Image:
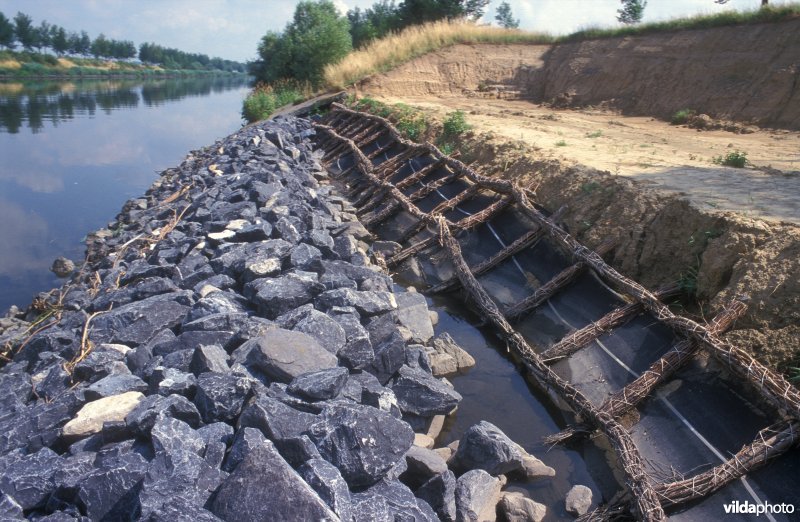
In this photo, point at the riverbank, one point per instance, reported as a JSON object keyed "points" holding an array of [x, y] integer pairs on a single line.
{"points": [[34, 66], [233, 333]]}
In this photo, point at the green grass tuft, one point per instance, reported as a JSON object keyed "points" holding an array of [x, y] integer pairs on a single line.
{"points": [[736, 159]]}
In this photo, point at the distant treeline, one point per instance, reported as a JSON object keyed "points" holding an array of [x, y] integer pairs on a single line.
{"points": [[21, 31], [49, 102]]}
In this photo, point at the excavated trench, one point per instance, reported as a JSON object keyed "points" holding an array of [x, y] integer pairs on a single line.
{"points": [[650, 409]]}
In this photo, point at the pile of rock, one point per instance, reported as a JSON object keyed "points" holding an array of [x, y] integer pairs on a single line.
{"points": [[231, 352]]}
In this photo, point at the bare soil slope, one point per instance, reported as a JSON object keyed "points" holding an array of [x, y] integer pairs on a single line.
{"points": [[625, 174], [744, 73]]}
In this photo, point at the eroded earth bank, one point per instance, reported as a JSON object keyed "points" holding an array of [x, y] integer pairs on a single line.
{"points": [[583, 125]]}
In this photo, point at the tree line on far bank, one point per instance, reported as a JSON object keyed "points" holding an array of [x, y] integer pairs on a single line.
{"points": [[22, 31]]}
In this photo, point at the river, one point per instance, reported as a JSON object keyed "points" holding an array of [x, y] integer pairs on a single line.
{"points": [[73, 152]]}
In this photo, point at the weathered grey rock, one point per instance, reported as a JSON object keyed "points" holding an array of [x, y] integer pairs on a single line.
{"points": [[357, 353], [422, 394], [258, 232], [319, 386], [440, 493], [172, 435], [216, 437], [217, 302], [91, 417], [477, 495], [10, 508], [579, 500], [277, 421], [142, 418], [29, 480], [138, 322], [484, 446], [367, 303], [101, 362], [412, 312], [305, 256], [181, 478], [114, 385], [211, 358], [168, 381], [220, 397], [364, 443], [374, 394], [326, 480], [265, 487], [245, 441], [423, 464], [283, 354], [277, 296], [328, 333], [110, 491], [62, 267], [400, 501], [516, 507]]}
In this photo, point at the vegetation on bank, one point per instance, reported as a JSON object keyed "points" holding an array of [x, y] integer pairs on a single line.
{"points": [[399, 45], [71, 52], [399, 48], [766, 14]]}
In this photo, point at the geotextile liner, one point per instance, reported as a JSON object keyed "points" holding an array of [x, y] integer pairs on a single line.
{"points": [[687, 415]]}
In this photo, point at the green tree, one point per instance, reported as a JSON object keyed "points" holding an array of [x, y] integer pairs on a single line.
{"points": [[275, 58], [413, 12], [84, 44], [42, 36], [59, 41], [24, 31], [374, 22], [631, 11], [101, 46], [318, 36], [504, 16], [6, 32]]}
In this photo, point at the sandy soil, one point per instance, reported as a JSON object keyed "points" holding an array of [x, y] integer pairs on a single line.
{"points": [[673, 159]]}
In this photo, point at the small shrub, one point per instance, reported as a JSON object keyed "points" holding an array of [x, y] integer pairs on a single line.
{"points": [[736, 159], [595, 134], [561, 143], [681, 116], [454, 125], [447, 148], [266, 99]]}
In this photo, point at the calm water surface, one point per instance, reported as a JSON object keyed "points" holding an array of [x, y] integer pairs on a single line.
{"points": [[71, 153]]}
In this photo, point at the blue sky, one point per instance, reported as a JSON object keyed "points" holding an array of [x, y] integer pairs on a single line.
{"points": [[232, 28]]}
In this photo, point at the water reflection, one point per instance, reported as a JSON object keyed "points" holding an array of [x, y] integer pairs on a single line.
{"points": [[54, 102], [74, 152]]}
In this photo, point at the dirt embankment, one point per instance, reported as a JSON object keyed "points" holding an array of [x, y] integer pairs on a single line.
{"points": [[724, 232], [744, 73], [663, 239]]}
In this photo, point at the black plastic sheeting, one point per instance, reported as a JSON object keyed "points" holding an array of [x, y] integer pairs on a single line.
{"points": [[693, 422]]}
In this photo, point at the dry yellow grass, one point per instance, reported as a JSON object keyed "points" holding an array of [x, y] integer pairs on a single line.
{"points": [[65, 63], [10, 64], [396, 49]]}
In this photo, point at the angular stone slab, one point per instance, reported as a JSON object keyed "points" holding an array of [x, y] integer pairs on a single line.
{"points": [[91, 417]]}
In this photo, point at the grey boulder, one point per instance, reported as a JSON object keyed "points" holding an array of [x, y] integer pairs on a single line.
{"points": [[265, 487]]}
